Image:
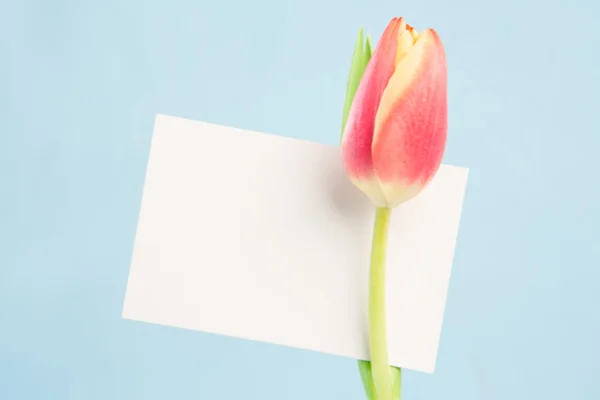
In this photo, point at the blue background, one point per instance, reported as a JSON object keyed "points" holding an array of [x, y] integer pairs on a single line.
{"points": [[81, 82]]}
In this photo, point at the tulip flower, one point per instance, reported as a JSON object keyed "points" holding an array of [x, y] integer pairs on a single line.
{"points": [[395, 134], [393, 139]]}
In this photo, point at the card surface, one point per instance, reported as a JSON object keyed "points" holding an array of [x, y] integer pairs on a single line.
{"points": [[263, 237]]}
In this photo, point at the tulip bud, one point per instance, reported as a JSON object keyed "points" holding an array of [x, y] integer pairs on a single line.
{"points": [[395, 135]]}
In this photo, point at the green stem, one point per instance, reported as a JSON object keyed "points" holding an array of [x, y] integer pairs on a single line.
{"points": [[382, 377]]}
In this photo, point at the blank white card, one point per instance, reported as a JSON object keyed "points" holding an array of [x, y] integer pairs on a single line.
{"points": [[263, 237]]}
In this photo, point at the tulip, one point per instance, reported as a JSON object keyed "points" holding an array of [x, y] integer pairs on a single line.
{"points": [[395, 135], [393, 140]]}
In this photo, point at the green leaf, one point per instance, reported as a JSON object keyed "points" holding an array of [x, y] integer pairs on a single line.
{"points": [[364, 368], [368, 51], [360, 59]]}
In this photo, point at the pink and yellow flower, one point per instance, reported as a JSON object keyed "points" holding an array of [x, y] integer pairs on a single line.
{"points": [[395, 135]]}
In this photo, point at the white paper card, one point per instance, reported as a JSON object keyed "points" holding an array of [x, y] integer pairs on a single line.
{"points": [[263, 237]]}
